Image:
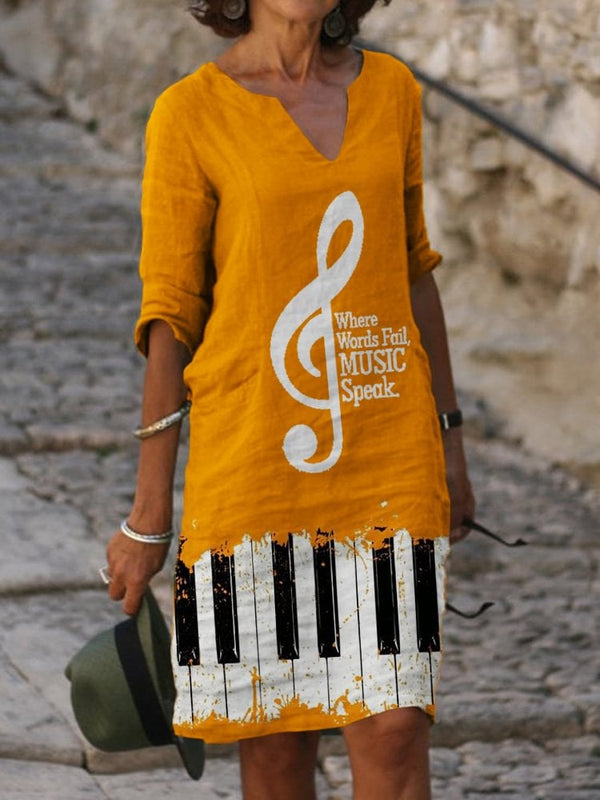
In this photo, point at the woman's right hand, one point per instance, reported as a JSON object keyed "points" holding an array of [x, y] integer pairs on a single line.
{"points": [[131, 565]]}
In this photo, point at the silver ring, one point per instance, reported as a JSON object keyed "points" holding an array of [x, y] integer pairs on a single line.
{"points": [[105, 575]]}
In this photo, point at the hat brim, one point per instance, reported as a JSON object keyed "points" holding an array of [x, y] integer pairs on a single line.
{"points": [[192, 755], [156, 641], [122, 688]]}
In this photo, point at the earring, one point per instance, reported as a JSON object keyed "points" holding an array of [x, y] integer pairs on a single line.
{"points": [[233, 9], [335, 23]]}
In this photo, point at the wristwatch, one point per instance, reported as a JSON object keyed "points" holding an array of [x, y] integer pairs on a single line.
{"points": [[451, 419]]}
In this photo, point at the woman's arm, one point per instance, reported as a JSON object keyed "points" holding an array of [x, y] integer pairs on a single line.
{"points": [[429, 316], [131, 564]]}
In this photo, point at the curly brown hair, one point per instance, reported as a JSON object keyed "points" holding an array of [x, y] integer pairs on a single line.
{"points": [[208, 12]]}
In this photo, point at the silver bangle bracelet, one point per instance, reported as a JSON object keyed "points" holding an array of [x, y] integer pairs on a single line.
{"points": [[148, 538], [164, 422]]}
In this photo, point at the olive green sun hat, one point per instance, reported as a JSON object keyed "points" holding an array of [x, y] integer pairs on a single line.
{"points": [[122, 688]]}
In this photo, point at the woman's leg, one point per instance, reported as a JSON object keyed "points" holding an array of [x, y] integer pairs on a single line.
{"points": [[389, 755], [280, 766]]}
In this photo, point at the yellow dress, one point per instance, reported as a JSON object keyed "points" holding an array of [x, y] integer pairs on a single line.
{"points": [[309, 584]]}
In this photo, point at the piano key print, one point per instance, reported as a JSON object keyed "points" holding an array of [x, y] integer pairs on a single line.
{"points": [[322, 629]]}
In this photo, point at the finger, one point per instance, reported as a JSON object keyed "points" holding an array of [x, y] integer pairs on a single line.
{"points": [[458, 534], [116, 590], [116, 587], [457, 517], [133, 599]]}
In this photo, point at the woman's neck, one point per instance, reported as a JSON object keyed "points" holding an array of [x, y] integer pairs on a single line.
{"points": [[275, 47]]}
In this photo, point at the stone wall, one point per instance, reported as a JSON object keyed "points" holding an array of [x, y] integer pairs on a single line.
{"points": [[521, 238], [106, 59]]}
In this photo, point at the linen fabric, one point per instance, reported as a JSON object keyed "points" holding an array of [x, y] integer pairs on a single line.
{"points": [[287, 275]]}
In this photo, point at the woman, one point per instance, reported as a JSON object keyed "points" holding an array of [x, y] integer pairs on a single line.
{"points": [[288, 292]]}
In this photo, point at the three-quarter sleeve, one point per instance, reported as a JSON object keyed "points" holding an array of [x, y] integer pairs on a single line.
{"points": [[178, 207], [421, 257]]}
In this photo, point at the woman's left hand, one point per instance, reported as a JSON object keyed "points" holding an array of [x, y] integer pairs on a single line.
{"points": [[462, 501]]}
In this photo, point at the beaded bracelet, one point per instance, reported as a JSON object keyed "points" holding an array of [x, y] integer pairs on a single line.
{"points": [[146, 538], [164, 422]]}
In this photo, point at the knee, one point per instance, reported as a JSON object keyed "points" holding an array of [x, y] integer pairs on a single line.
{"points": [[280, 752], [392, 735]]}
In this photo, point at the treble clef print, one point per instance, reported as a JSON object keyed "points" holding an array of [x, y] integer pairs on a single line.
{"points": [[309, 314]]}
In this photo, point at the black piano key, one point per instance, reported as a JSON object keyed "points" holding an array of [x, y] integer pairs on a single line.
{"points": [[386, 599], [328, 624], [428, 620], [286, 610], [186, 616], [225, 607]]}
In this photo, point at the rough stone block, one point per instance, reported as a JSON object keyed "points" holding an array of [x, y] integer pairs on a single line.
{"points": [[99, 763], [29, 44], [31, 727], [39, 635], [579, 141], [445, 763], [439, 60], [486, 155], [500, 85], [504, 716], [29, 563], [11, 479], [496, 45], [535, 774], [337, 771], [589, 704], [12, 439], [220, 780], [24, 780]]}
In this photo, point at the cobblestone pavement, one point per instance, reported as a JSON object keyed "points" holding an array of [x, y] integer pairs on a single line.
{"points": [[520, 701]]}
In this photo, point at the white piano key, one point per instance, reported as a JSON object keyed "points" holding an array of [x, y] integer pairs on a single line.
{"points": [[414, 673], [442, 550], [379, 672], [242, 679], [406, 592], [182, 712], [261, 676], [345, 675], [207, 678], [310, 670], [277, 684]]}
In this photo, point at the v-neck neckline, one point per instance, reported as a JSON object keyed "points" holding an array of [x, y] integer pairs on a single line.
{"points": [[270, 98]]}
